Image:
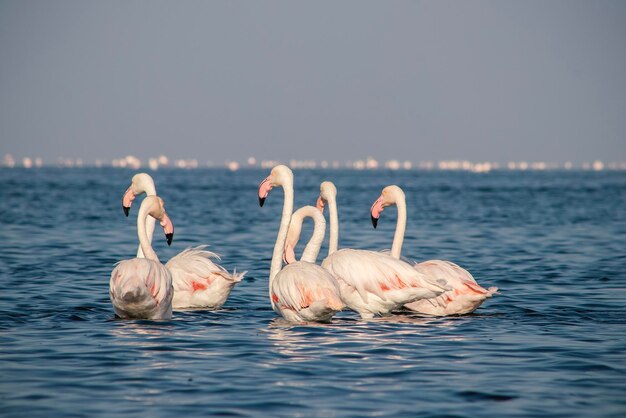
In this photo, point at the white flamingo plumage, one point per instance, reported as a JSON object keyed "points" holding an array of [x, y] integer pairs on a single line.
{"points": [[372, 283], [198, 281], [142, 287], [301, 291], [466, 294], [312, 248]]}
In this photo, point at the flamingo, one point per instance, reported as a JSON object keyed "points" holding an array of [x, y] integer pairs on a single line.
{"points": [[301, 291], [198, 281], [465, 296], [372, 283], [142, 287]]}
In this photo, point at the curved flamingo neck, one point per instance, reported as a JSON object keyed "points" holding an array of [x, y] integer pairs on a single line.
{"points": [[312, 248], [150, 190], [144, 241], [333, 240], [398, 237], [279, 246]]}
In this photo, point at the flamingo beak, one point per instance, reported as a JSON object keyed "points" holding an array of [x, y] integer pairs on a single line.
{"points": [[127, 200], [168, 228], [320, 204], [264, 189], [377, 208], [289, 256]]}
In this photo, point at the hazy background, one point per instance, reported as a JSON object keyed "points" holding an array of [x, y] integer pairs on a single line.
{"points": [[216, 80]]}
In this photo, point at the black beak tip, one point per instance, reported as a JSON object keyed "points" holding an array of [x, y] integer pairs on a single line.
{"points": [[169, 238], [374, 221], [261, 201], [126, 210]]}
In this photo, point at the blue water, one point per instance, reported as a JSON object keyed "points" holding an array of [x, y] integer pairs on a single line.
{"points": [[553, 343]]}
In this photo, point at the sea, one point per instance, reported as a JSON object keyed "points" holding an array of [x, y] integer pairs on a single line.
{"points": [[552, 343]]}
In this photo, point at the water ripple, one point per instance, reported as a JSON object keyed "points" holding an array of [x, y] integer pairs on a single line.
{"points": [[551, 344]]}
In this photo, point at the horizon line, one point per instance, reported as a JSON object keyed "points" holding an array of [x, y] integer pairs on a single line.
{"points": [[369, 163]]}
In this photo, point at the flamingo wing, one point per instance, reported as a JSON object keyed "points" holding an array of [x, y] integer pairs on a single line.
{"points": [[193, 268], [141, 288], [198, 281], [465, 296], [370, 272], [454, 274], [303, 285], [460, 279]]}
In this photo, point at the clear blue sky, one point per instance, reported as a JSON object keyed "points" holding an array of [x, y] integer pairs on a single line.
{"points": [[216, 80]]}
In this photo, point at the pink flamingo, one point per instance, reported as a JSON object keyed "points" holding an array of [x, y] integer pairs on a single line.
{"points": [[142, 287], [465, 296], [372, 283], [198, 281], [301, 291]]}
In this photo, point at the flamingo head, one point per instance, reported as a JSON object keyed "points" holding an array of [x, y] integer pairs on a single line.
{"points": [[157, 211], [328, 191], [289, 255], [293, 233], [320, 204], [168, 228], [280, 175], [141, 183], [389, 196]]}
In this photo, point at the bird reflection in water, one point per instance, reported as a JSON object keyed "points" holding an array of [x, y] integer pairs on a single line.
{"points": [[353, 339], [142, 332]]}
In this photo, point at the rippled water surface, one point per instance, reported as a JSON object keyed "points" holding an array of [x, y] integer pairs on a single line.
{"points": [[553, 343]]}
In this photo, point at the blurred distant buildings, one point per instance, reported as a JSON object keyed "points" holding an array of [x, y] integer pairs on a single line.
{"points": [[369, 163]]}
